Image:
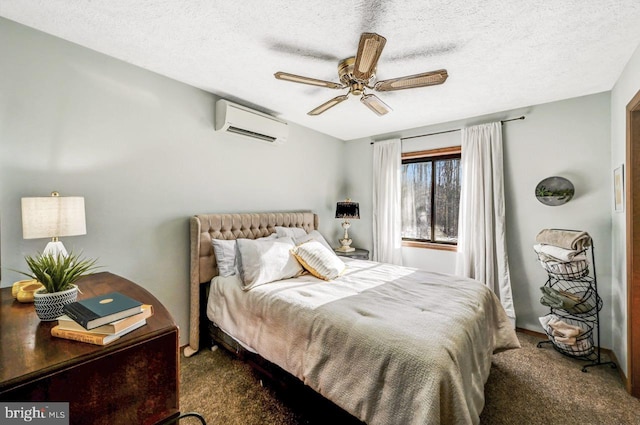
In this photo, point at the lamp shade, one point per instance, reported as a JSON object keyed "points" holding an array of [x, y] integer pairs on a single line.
{"points": [[348, 210], [53, 216]]}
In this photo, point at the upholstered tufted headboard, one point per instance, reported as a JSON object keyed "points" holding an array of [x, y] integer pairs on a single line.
{"points": [[204, 227]]}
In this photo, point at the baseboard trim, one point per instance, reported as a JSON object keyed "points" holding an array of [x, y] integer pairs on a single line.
{"points": [[614, 359], [532, 333]]}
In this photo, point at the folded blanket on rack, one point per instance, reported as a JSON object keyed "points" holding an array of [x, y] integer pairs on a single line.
{"points": [[567, 239], [565, 300], [554, 253], [573, 344], [562, 269], [565, 340], [564, 330]]}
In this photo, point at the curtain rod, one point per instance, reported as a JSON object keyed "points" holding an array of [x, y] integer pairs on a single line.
{"points": [[451, 131]]}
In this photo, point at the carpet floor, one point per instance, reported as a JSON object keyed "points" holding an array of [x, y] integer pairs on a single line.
{"points": [[526, 386]]}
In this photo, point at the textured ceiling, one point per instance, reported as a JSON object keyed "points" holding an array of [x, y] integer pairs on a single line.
{"points": [[500, 55]]}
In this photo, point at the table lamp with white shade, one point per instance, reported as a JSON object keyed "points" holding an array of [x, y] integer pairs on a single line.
{"points": [[347, 210], [53, 217]]}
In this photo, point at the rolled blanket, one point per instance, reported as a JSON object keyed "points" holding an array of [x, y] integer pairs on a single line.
{"points": [[565, 340], [565, 300], [550, 300], [570, 343], [558, 254], [567, 239], [564, 330], [563, 269]]}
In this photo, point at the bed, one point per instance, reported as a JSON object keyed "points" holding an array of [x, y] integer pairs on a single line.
{"points": [[388, 344]]}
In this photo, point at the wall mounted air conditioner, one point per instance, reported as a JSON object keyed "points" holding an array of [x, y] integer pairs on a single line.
{"points": [[242, 121]]}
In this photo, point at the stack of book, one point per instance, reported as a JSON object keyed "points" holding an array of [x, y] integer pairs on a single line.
{"points": [[101, 320]]}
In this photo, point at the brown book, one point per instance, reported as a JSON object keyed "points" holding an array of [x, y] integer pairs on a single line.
{"points": [[92, 337], [67, 323]]}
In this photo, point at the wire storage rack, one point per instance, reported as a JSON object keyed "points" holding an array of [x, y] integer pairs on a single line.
{"points": [[571, 293]]}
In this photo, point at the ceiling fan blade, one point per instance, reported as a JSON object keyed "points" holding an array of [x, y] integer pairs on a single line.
{"points": [[369, 50], [330, 104], [431, 78], [374, 103], [306, 80]]}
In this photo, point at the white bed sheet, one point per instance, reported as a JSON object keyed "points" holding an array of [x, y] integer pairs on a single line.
{"points": [[388, 344]]}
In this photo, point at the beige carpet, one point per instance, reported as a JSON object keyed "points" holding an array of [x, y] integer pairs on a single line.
{"points": [[528, 386]]}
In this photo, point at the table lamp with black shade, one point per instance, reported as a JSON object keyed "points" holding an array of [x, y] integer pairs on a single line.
{"points": [[347, 210]]}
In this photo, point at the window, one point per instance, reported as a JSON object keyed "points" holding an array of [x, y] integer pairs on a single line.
{"points": [[431, 198]]}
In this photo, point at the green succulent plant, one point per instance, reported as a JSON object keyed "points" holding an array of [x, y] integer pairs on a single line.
{"points": [[58, 272]]}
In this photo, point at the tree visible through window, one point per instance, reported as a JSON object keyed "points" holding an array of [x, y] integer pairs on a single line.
{"points": [[431, 196]]}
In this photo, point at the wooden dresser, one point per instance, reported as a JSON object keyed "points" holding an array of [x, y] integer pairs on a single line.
{"points": [[133, 380]]}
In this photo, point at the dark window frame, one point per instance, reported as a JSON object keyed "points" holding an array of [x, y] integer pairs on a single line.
{"points": [[426, 156]]}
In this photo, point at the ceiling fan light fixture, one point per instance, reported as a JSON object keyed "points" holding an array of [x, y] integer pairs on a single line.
{"points": [[374, 103]]}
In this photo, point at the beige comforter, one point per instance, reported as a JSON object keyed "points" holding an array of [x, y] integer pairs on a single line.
{"points": [[389, 344]]}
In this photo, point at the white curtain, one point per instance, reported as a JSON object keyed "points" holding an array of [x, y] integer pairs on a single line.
{"points": [[482, 245], [387, 187]]}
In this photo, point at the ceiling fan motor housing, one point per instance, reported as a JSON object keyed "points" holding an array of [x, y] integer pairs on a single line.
{"points": [[345, 72]]}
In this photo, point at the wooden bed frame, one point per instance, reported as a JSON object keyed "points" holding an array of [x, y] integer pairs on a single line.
{"points": [[203, 228]]}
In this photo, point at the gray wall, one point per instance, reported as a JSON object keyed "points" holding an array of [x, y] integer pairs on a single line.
{"points": [[142, 150], [570, 138], [627, 86]]}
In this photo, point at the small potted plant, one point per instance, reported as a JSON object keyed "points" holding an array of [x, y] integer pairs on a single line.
{"points": [[58, 274]]}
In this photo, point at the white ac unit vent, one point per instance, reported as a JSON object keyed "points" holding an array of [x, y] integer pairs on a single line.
{"points": [[242, 121]]}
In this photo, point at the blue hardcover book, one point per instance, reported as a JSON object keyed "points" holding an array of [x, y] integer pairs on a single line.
{"points": [[103, 309]]}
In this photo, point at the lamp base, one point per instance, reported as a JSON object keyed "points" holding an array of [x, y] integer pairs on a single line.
{"points": [[346, 240], [345, 245], [55, 248], [345, 249]]}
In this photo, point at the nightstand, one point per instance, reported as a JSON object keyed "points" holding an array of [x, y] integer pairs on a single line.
{"points": [[133, 380], [360, 254]]}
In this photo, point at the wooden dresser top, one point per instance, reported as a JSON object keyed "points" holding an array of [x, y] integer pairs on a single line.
{"points": [[27, 348]]}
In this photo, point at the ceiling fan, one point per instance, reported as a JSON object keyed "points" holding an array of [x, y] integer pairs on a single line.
{"points": [[358, 73]]}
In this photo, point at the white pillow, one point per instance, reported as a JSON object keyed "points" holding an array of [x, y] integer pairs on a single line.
{"points": [[266, 260], [313, 235], [321, 262], [291, 232], [225, 253]]}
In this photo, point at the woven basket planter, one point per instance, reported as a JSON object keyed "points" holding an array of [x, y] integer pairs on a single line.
{"points": [[49, 306]]}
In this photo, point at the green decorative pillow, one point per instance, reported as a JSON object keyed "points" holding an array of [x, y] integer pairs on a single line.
{"points": [[318, 260]]}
